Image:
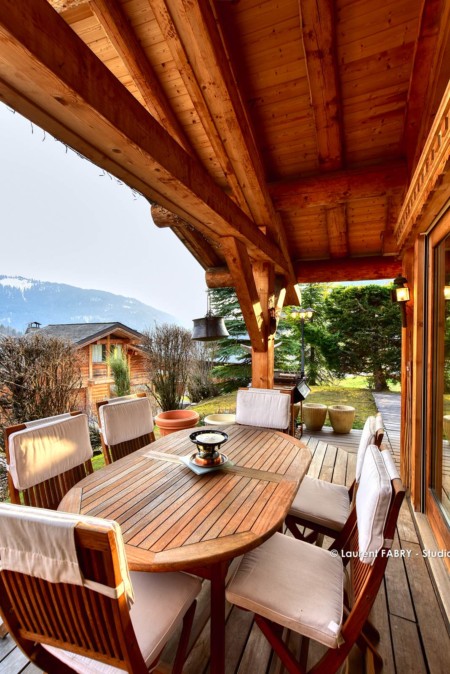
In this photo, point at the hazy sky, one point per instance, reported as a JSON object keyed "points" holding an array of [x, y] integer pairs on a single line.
{"points": [[63, 220]]}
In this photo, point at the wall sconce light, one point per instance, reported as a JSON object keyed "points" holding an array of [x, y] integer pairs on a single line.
{"points": [[400, 294], [446, 293]]}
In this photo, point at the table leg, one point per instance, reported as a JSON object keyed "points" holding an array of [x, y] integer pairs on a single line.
{"points": [[217, 637]]}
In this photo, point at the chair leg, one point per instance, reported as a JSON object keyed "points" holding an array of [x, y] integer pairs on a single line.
{"points": [[180, 656], [272, 634], [295, 531], [368, 650]]}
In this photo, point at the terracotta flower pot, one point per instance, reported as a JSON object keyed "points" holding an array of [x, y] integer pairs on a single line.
{"points": [[313, 415], [176, 420], [341, 417]]}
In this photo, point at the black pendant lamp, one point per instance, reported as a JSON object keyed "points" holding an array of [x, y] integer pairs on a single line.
{"points": [[209, 328]]}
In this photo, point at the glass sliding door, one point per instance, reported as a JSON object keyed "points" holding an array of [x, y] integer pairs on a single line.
{"points": [[438, 383]]}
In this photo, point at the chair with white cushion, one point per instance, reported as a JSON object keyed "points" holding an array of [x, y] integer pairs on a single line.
{"points": [[290, 584], [264, 408], [69, 602], [46, 458], [126, 425], [322, 507]]}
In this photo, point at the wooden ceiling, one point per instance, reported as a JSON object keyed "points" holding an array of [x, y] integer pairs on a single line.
{"points": [[261, 130]]}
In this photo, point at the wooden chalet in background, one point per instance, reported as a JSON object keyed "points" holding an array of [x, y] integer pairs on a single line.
{"points": [[95, 341], [282, 141]]}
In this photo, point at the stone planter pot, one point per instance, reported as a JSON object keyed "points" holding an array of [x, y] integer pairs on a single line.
{"points": [[341, 418], [313, 415], [176, 420], [220, 419]]}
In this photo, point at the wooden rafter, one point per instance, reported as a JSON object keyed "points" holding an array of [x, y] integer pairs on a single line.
{"points": [[65, 87], [117, 27], [319, 40], [327, 190], [244, 283], [200, 40], [429, 52], [200, 247]]}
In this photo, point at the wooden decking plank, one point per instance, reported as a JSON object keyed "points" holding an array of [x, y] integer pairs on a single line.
{"points": [[316, 464], [407, 649], [239, 626], [340, 467], [405, 526], [400, 603], [380, 618], [257, 650], [431, 624], [329, 459], [15, 662]]}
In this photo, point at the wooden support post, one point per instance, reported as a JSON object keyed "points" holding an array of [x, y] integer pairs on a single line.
{"points": [[263, 362]]}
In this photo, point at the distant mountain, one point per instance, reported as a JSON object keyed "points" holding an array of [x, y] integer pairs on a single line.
{"points": [[24, 300]]}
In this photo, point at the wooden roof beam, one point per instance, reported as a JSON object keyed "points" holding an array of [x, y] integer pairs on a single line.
{"points": [[198, 244], [66, 89], [434, 33], [322, 271], [243, 281], [319, 41], [327, 190], [117, 27], [200, 40]]}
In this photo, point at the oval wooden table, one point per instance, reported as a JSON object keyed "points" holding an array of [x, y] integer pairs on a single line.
{"points": [[173, 519]]}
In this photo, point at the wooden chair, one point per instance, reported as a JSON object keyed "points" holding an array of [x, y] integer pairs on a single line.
{"points": [[126, 425], [291, 584], [323, 508], [46, 458], [67, 620], [264, 408]]}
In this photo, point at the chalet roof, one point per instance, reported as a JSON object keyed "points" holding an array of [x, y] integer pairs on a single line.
{"points": [[85, 333], [271, 137]]}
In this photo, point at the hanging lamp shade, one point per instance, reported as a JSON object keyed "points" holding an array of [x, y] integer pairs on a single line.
{"points": [[209, 328]]}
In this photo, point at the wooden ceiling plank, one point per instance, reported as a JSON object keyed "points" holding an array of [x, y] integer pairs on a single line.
{"points": [[74, 94], [117, 27], [319, 40], [201, 42], [327, 190], [241, 272], [433, 36], [336, 218]]}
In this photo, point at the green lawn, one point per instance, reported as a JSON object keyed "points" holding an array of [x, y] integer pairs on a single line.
{"points": [[351, 391]]}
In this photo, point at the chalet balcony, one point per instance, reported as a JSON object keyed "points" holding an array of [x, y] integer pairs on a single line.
{"points": [[408, 612]]}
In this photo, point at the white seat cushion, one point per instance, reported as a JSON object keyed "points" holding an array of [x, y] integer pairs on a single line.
{"points": [[321, 503], [124, 420], [294, 584], [263, 409], [161, 600]]}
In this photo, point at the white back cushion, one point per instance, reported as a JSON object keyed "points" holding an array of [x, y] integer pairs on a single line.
{"points": [[41, 543], [372, 504], [367, 438], [263, 409], [123, 420], [390, 464], [41, 452]]}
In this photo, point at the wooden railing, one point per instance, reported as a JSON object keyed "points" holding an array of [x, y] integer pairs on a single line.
{"points": [[431, 166]]}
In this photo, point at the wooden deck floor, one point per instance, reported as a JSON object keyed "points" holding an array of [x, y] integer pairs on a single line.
{"points": [[414, 637]]}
